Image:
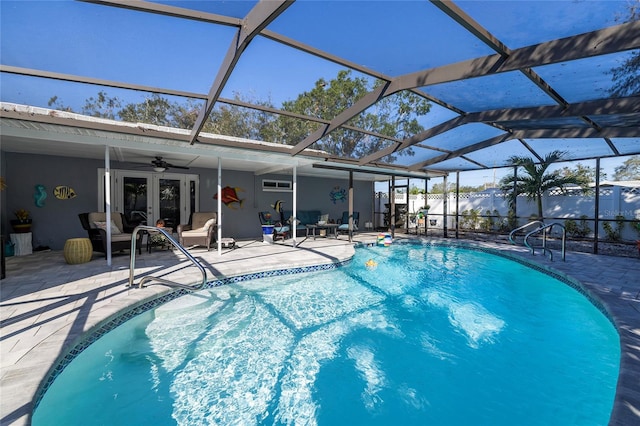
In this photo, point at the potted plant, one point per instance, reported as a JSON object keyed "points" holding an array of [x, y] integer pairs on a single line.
{"points": [[23, 222], [423, 211]]}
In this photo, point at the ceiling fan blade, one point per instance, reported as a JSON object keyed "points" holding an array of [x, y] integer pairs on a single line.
{"points": [[161, 164]]}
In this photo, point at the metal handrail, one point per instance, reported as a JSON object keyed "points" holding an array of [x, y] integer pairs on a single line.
{"points": [[162, 280], [535, 222], [545, 229]]}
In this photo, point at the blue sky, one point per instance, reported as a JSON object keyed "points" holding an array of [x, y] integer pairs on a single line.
{"points": [[122, 45]]}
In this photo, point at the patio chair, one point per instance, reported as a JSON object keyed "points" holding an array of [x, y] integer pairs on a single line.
{"points": [[200, 231], [95, 225], [279, 229], [344, 222]]}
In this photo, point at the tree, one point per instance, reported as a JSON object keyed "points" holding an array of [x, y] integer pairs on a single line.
{"points": [[629, 170], [438, 188], [393, 116], [586, 173], [102, 106], [537, 179], [241, 121], [626, 77], [155, 109], [414, 190]]}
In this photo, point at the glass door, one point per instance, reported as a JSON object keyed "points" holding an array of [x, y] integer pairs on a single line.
{"points": [[136, 199], [168, 200], [145, 197]]}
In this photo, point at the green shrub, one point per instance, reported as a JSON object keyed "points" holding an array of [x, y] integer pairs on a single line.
{"points": [[470, 219], [614, 234], [487, 222], [577, 230]]}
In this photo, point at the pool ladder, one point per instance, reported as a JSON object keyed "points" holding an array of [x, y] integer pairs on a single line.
{"points": [[177, 245], [545, 230]]}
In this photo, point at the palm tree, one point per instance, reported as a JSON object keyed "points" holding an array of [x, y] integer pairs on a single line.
{"points": [[537, 180]]}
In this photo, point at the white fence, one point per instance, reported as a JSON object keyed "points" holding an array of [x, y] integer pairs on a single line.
{"points": [[614, 201]]}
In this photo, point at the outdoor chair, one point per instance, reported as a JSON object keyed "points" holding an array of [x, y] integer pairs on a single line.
{"points": [[200, 231], [95, 223], [344, 222], [279, 229]]}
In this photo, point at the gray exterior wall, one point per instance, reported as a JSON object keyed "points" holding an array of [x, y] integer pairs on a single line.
{"points": [[57, 220]]}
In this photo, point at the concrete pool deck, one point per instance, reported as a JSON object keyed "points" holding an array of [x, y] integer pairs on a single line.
{"points": [[46, 305]]}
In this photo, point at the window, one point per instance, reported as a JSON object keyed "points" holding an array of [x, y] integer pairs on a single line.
{"points": [[277, 185]]}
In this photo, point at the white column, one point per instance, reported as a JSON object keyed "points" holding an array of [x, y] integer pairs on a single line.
{"points": [[107, 196], [294, 224], [219, 206]]}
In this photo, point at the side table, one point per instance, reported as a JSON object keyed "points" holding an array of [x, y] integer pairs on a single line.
{"points": [[22, 243], [77, 250]]}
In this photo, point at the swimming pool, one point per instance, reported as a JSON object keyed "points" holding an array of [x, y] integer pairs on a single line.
{"points": [[431, 335]]}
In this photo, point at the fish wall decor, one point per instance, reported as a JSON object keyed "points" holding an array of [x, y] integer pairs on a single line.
{"points": [[64, 192], [230, 197]]}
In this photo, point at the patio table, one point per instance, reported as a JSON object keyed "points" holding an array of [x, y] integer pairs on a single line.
{"points": [[329, 227]]}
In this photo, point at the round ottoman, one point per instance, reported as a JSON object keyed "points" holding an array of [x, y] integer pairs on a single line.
{"points": [[78, 250]]}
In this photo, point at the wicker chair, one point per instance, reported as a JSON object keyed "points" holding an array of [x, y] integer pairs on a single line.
{"points": [[200, 231], [120, 235]]}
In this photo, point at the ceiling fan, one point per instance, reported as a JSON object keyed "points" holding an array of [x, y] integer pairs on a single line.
{"points": [[159, 165]]}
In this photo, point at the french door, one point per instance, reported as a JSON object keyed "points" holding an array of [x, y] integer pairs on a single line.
{"points": [[145, 197]]}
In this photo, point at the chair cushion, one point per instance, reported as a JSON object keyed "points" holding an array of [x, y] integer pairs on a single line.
{"points": [[199, 220], [116, 217], [195, 233], [103, 226], [120, 237], [208, 224], [345, 227]]}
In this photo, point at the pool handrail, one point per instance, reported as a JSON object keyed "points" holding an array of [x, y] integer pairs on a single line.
{"points": [[177, 245], [520, 228], [545, 229]]}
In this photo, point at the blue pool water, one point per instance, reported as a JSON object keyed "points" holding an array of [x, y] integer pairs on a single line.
{"points": [[431, 336]]}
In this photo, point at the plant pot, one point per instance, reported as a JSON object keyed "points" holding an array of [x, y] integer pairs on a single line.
{"points": [[21, 226]]}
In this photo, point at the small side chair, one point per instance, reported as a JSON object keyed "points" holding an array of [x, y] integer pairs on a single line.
{"points": [[344, 222]]}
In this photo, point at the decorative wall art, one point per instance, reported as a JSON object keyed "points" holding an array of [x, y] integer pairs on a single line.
{"points": [[230, 197], [338, 194], [277, 206], [39, 195], [64, 192]]}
